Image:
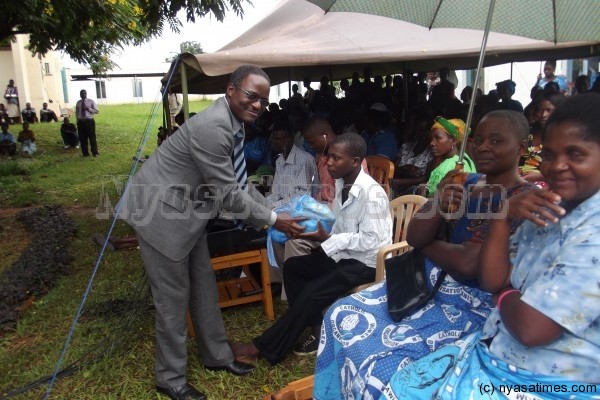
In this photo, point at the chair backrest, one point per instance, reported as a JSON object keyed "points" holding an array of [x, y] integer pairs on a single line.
{"points": [[403, 208], [382, 170]]}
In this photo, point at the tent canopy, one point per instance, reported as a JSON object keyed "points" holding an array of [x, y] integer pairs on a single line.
{"points": [[297, 40]]}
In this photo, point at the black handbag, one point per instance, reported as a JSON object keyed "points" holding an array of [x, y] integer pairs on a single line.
{"points": [[406, 281]]}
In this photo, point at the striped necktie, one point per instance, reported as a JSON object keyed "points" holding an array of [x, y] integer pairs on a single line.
{"points": [[239, 162], [239, 167]]}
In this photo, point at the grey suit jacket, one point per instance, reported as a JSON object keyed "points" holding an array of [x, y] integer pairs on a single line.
{"points": [[187, 181]]}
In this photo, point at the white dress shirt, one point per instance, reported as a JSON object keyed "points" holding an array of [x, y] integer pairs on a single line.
{"points": [[92, 109], [363, 223]]}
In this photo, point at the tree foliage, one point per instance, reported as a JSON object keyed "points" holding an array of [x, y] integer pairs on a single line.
{"points": [[91, 30], [191, 47]]}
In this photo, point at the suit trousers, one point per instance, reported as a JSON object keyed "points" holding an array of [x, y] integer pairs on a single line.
{"points": [[177, 286], [312, 283], [87, 132]]}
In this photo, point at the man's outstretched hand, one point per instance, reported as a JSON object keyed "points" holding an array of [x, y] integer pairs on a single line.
{"points": [[288, 225]]}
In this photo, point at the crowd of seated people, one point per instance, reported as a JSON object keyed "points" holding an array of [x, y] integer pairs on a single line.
{"points": [[367, 354], [369, 357], [379, 110], [503, 139], [543, 280]]}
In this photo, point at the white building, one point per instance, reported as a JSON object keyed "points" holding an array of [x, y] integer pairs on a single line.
{"points": [[118, 86], [38, 79]]}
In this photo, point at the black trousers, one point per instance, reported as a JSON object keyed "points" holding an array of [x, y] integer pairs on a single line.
{"points": [[70, 139], [312, 283], [87, 132]]}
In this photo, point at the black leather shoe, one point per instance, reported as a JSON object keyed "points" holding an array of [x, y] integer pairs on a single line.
{"points": [[236, 368], [183, 392]]}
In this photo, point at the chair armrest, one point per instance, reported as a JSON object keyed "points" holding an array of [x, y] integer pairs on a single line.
{"points": [[382, 254]]}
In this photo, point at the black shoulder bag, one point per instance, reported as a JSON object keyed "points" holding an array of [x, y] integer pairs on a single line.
{"points": [[407, 288]]}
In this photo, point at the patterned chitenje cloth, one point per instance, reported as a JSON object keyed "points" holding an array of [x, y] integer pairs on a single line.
{"points": [[467, 370]]}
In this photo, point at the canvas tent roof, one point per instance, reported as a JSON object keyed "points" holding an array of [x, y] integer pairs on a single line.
{"points": [[298, 40]]}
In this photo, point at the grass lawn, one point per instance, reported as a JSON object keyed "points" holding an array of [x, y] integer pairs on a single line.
{"points": [[87, 188]]}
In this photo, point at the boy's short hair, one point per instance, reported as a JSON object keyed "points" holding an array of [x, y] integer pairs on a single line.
{"points": [[355, 144]]}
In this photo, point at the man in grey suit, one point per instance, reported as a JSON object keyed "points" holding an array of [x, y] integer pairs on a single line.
{"points": [[179, 189]]}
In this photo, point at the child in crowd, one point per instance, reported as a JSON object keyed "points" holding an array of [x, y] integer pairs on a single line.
{"points": [[27, 140]]}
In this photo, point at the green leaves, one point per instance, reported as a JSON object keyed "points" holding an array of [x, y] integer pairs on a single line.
{"points": [[91, 31], [191, 47]]}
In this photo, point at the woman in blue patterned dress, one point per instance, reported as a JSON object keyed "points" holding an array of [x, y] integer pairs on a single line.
{"points": [[543, 337], [361, 346]]}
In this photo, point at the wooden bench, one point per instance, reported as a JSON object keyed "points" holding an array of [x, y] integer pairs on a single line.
{"points": [[246, 289], [302, 389]]}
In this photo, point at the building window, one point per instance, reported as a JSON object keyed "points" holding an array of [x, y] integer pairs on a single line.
{"points": [[100, 89], [47, 68], [137, 87]]}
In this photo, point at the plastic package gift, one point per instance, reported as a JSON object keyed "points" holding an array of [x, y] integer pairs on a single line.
{"points": [[303, 206]]}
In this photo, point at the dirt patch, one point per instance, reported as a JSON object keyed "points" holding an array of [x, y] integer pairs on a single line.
{"points": [[39, 264], [14, 238]]}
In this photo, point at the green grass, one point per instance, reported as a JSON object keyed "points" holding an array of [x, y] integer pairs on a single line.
{"points": [[57, 176]]}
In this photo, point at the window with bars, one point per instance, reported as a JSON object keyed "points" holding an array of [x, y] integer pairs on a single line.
{"points": [[137, 87], [101, 89]]}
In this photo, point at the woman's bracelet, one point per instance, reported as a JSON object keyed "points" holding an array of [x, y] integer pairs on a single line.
{"points": [[503, 295]]}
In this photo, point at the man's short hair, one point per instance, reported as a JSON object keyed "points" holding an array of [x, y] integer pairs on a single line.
{"points": [[355, 144], [316, 126], [244, 70], [283, 126]]}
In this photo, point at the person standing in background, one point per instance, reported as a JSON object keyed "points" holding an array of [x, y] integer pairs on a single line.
{"points": [[175, 106], [86, 126], [12, 102], [549, 76]]}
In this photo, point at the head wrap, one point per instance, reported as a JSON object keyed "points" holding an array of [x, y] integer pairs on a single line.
{"points": [[453, 127], [511, 85]]}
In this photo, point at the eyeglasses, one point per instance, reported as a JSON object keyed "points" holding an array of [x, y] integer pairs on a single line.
{"points": [[254, 97]]}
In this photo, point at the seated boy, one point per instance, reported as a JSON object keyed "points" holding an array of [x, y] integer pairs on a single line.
{"points": [[27, 140], [345, 259]]}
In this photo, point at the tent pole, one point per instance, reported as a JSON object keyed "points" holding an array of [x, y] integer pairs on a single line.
{"points": [[166, 110], [184, 90], [404, 91], [486, 32], [289, 82], [511, 71]]}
